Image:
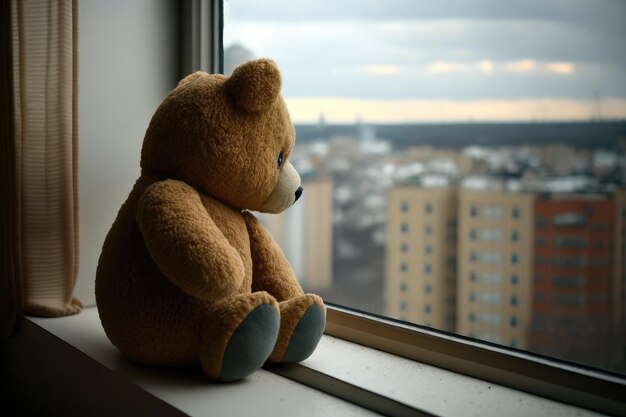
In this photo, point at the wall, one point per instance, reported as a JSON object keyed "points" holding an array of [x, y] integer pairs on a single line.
{"points": [[128, 63]]}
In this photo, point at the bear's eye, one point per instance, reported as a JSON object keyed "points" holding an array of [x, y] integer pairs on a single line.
{"points": [[280, 159]]}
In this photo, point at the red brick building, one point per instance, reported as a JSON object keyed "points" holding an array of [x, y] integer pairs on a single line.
{"points": [[574, 277]]}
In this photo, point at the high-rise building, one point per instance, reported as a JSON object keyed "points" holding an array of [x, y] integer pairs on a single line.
{"points": [[420, 280], [495, 261], [305, 233], [574, 279]]}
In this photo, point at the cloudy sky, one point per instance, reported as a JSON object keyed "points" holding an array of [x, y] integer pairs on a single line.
{"points": [[452, 60]]}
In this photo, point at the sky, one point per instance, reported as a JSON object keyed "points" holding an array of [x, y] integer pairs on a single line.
{"points": [[394, 61]]}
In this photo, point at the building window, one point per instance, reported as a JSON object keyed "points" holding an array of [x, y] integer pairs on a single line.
{"points": [[514, 279], [404, 287], [404, 227], [428, 269], [569, 299], [570, 242], [514, 258], [540, 222], [489, 277], [487, 258], [404, 267], [428, 229], [404, 206], [513, 300], [428, 249], [486, 297], [568, 281], [428, 208], [513, 321], [487, 235], [472, 317], [515, 236], [516, 213], [473, 211], [428, 288], [492, 212], [427, 309], [403, 306], [404, 248]]}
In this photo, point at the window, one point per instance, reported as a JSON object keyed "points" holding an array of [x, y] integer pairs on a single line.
{"points": [[363, 124], [494, 212], [570, 242], [486, 235], [487, 258]]}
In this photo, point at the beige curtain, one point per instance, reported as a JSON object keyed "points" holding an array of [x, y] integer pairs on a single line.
{"points": [[40, 190]]}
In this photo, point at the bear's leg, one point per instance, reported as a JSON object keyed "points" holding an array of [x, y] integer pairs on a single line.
{"points": [[238, 335], [302, 323]]}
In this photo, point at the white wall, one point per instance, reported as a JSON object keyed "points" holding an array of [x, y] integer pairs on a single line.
{"points": [[128, 63]]}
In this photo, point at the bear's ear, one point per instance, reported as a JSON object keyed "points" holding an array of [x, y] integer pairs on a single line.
{"points": [[192, 77], [255, 85]]}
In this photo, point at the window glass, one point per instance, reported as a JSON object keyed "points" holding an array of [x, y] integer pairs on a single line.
{"points": [[488, 136]]}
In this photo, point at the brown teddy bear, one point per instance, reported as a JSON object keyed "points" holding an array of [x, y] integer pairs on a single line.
{"points": [[186, 273]]}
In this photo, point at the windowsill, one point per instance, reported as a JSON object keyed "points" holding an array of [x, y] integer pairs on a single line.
{"points": [[336, 364]]}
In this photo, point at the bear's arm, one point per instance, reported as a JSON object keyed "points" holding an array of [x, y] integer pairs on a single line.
{"points": [[184, 242], [271, 271]]}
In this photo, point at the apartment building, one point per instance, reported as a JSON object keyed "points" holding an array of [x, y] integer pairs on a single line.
{"points": [[420, 280], [576, 290], [495, 261]]}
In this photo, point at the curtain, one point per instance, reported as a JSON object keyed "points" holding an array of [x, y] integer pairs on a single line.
{"points": [[39, 159]]}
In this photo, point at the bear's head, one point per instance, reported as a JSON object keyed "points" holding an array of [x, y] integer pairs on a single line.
{"points": [[229, 137]]}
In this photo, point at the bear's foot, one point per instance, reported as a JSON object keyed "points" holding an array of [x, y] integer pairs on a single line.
{"points": [[303, 320], [251, 344], [244, 340]]}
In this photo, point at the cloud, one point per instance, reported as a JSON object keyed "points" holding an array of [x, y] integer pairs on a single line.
{"points": [[346, 110], [446, 67], [383, 69], [561, 68], [524, 65], [486, 66]]}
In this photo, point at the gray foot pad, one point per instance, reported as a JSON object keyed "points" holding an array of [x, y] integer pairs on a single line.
{"points": [[251, 344], [306, 336]]}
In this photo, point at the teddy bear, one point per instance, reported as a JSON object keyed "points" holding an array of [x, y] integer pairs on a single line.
{"points": [[187, 274]]}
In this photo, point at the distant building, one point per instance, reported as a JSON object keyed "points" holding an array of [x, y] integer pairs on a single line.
{"points": [[574, 278], [235, 55], [420, 283], [619, 264], [304, 232], [495, 261]]}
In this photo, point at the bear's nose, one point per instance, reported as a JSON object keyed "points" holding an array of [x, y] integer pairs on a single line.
{"points": [[298, 193]]}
